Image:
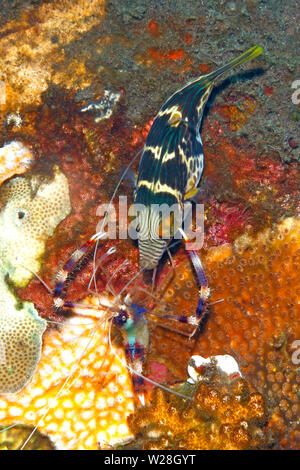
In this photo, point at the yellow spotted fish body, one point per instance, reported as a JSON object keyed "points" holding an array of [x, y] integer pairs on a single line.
{"points": [[172, 160]]}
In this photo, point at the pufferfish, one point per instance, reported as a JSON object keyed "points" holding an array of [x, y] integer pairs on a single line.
{"points": [[172, 160]]}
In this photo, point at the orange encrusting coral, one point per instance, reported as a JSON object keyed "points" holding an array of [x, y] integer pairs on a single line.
{"points": [[81, 394], [242, 190], [30, 59], [220, 416], [252, 316], [257, 321]]}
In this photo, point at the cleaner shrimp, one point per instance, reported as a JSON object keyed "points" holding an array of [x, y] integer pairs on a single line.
{"points": [[93, 325]]}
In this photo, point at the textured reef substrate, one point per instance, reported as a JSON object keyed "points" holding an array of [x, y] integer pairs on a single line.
{"points": [[80, 84]]}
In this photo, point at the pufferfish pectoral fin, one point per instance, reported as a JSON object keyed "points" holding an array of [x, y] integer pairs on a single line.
{"points": [[127, 175], [131, 177]]}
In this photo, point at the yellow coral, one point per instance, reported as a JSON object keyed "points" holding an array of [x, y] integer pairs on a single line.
{"points": [[30, 212]]}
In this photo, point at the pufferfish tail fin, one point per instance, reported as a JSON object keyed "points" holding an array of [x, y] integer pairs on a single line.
{"points": [[189, 101]]}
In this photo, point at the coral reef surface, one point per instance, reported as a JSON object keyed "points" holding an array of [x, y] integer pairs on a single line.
{"points": [[220, 414], [81, 393], [30, 211], [118, 62]]}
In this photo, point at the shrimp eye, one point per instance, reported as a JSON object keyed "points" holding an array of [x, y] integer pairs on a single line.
{"points": [[121, 319], [123, 316]]}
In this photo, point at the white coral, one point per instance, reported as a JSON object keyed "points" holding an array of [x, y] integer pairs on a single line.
{"points": [[31, 210], [225, 363]]}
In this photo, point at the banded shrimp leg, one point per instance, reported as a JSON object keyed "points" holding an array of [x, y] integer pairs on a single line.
{"points": [[202, 279], [204, 291]]}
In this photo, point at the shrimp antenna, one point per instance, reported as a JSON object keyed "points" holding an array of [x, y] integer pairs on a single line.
{"points": [[75, 366], [64, 387], [37, 276]]}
